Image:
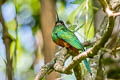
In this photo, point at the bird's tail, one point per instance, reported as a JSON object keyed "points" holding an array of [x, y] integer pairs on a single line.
{"points": [[87, 66]]}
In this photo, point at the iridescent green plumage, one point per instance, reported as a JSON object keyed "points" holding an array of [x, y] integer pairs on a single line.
{"points": [[61, 35]]}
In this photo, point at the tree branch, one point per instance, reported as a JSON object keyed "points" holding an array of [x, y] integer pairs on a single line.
{"points": [[7, 40], [53, 65], [111, 51], [59, 63]]}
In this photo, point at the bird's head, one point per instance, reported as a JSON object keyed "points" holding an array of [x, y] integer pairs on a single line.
{"points": [[59, 22]]}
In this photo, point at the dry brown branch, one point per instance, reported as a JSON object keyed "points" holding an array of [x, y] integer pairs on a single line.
{"points": [[49, 67]]}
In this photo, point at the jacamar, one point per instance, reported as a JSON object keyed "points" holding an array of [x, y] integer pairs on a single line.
{"points": [[62, 36]]}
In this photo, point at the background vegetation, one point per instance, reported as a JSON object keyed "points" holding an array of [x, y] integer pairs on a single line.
{"points": [[26, 44]]}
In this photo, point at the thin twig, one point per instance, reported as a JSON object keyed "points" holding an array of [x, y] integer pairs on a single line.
{"points": [[111, 51], [16, 32]]}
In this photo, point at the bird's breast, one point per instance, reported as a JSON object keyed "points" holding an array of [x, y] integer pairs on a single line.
{"points": [[62, 43]]}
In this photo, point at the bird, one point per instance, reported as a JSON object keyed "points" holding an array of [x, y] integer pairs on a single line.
{"points": [[63, 37]]}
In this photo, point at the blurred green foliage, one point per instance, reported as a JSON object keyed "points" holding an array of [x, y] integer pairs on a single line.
{"points": [[82, 16]]}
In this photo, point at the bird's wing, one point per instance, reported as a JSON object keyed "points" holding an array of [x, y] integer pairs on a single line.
{"points": [[70, 38]]}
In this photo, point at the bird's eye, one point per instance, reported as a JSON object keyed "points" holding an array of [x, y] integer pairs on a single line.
{"points": [[62, 22]]}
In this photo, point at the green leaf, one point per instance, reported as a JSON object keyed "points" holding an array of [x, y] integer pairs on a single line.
{"points": [[72, 27], [77, 2], [11, 25], [61, 7], [79, 28], [89, 29], [72, 16], [90, 32]]}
